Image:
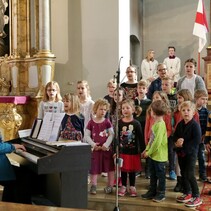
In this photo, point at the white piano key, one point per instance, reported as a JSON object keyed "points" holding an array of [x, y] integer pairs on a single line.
{"points": [[30, 157]]}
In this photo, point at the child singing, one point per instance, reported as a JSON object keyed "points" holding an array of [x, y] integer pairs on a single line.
{"points": [[73, 121], [51, 100], [130, 138], [99, 134]]}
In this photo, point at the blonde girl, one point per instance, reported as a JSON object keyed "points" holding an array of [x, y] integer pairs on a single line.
{"points": [[99, 134], [51, 100], [86, 102], [149, 67], [73, 121]]}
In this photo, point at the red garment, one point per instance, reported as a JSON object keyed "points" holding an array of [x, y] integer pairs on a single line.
{"points": [[178, 118], [131, 163], [150, 121]]}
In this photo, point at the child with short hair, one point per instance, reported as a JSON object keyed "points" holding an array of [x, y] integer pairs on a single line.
{"points": [[99, 134], [130, 137], [168, 88], [187, 138], [52, 100], [141, 104], [158, 95], [72, 126], [182, 95], [201, 98], [157, 151]]}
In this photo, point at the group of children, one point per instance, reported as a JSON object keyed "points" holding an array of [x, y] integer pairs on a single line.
{"points": [[169, 127]]}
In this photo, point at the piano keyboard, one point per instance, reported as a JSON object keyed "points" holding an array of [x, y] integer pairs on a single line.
{"points": [[30, 157]]}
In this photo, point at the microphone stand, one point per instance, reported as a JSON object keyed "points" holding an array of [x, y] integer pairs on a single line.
{"points": [[117, 137]]}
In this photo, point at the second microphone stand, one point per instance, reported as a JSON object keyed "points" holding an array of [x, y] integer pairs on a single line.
{"points": [[117, 141]]}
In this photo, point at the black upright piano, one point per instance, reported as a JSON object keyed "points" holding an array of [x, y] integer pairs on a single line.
{"points": [[65, 169]]}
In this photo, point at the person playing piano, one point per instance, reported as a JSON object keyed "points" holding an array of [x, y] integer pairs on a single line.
{"points": [[14, 179]]}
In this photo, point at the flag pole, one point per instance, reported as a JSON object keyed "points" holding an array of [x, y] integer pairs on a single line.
{"points": [[199, 65]]}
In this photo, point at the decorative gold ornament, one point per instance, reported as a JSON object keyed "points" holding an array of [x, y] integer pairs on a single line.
{"points": [[10, 122]]}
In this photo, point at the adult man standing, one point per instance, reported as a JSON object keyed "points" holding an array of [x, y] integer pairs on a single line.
{"points": [[173, 65]]}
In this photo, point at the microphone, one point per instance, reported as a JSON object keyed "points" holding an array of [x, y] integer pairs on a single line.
{"points": [[120, 62], [118, 71]]}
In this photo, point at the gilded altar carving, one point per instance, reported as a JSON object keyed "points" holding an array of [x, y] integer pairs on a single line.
{"points": [[28, 66], [10, 121], [4, 87]]}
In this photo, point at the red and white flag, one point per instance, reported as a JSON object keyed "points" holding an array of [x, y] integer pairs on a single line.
{"points": [[200, 26]]}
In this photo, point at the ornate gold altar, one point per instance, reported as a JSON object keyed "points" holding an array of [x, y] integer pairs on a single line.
{"points": [[29, 64]]}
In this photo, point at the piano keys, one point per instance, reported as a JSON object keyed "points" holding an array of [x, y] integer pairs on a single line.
{"points": [[65, 169]]}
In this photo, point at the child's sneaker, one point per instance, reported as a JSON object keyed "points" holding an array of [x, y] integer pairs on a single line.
{"points": [[122, 191], [159, 197], [184, 198], [148, 195], [172, 175], [93, 190], [194, 202], [108, 189], [104, 174], [132, 191]]}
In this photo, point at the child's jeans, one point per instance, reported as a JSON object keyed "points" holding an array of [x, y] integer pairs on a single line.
{"points": [[201, 160], [157, 176], [171, 154], [187, 166]]}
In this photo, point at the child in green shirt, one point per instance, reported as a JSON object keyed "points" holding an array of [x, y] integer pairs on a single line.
{"points": [[157, 151]]}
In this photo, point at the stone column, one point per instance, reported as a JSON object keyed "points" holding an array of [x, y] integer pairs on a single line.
{"points": [[45, 59], [28, 46], [44, 29], [14, 28]]}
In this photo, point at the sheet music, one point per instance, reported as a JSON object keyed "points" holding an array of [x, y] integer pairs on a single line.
{"points": [[37, 128], [50, 126], [57, 119]]}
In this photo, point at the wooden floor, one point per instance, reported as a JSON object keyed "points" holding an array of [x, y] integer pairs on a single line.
{"points": [[107, 202]]}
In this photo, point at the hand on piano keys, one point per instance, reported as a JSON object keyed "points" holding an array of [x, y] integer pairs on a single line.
{"points": [[19, 146]]}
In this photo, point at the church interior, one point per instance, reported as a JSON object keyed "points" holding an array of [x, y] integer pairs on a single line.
{"points": [[72, 40]]}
